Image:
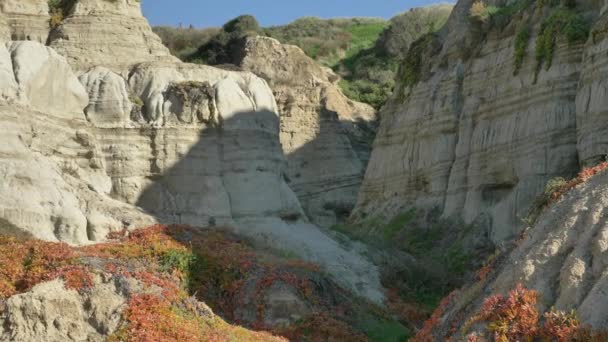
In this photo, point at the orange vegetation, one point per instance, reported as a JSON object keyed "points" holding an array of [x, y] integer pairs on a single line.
{"points": [[583, 176], [516, 318], [174, 263]]}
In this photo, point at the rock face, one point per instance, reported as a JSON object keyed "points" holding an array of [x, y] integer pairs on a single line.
{"points": [[46, 81], [478, 139], [109, 33], [26, 19], [591, 99], [325, 136], [5, 32]]}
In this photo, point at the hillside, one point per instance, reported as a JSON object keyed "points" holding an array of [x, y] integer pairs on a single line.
{"points": [[363, 51]]}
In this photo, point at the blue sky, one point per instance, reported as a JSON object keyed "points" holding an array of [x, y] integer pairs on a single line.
{"points": [[206, 13]]}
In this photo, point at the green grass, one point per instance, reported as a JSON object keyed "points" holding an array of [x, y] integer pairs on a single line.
{"points": [[398, 222], [363, 36]]}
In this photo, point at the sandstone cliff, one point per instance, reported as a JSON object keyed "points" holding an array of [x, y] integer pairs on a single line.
{"points": [[138, 137], [26, 19], [484, 115], [109, 33], [325, 136]]}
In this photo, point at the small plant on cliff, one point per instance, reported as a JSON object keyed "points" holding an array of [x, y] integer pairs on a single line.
{"points": [[411, 70], [58, 9], [481, 12], [521, 44], [512, 318]]}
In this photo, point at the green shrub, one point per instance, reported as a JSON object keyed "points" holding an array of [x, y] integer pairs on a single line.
{"points": [[174, 259]]}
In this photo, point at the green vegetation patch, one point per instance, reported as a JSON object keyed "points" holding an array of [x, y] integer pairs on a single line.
{"points": [[410, 72], [446, 252], [563, 22], [365, 52], [521, 45]]}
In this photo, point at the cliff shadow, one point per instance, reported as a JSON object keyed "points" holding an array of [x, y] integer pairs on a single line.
{"points": [[327, 170], [210, 176]]}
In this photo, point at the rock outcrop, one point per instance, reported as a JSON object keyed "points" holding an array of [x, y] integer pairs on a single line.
{"points": [[50, 312], [113, 34], [325, 136], [476, 132]]}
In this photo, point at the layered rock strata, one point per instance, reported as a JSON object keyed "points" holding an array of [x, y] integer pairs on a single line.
{"points": [[26, 19], [109, 33]]}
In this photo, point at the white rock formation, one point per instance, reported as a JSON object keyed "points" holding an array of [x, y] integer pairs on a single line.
{"points": [[46, 81], [140, 138], [53, 177], [8, 84], [109, 102]]}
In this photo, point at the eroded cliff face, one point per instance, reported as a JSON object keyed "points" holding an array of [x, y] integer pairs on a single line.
{"points": [[325, 136], [478, 134], [132, 137]]}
